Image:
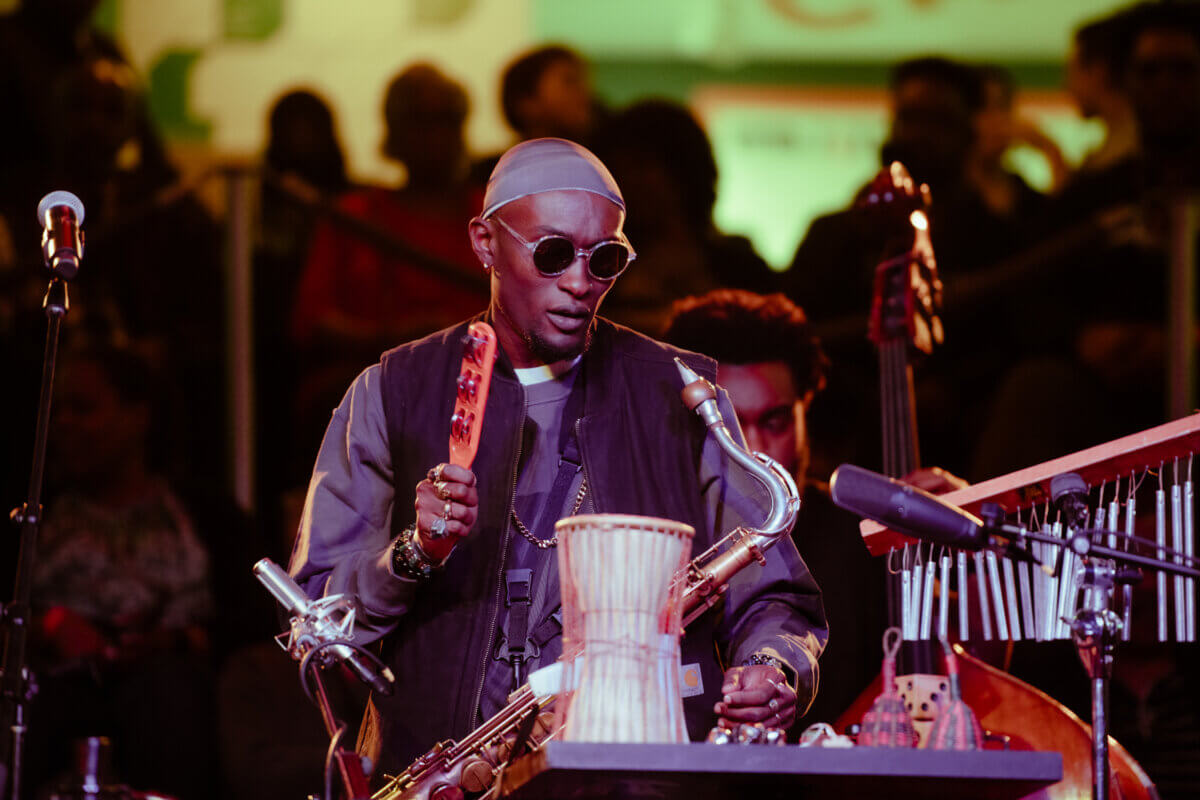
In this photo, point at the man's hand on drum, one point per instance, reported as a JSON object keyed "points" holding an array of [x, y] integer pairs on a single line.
{"points": [[447, 504], [756, 693]]}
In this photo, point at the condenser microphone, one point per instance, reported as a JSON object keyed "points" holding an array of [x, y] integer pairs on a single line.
{"points": [[319, 622], [905, 509], [61, 217], [1070, 496]]}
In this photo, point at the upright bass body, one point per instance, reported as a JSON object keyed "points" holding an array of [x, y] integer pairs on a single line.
{"points": [[1032, 720]]}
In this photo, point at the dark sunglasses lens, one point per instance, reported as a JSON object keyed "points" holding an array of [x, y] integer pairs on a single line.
{"points": [[608, 260], [553, 255]]}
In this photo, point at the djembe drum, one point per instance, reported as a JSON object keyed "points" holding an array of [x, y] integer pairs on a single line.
{"points": [[621, 628]]}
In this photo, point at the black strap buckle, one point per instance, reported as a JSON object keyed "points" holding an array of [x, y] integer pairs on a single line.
{"points": [[518, 584]]}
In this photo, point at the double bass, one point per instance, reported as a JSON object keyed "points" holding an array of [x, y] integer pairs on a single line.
{"points": [[905, 322]]}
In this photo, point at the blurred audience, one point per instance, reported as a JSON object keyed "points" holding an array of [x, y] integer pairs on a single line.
{"points": [[545, 92], [151, 269], [1093, 333], [933, 133], [663, 161], [406, 269], [773, 366], [139, 587], [40, 43]]}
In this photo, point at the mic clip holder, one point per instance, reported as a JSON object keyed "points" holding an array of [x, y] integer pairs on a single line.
{"points": [[313, 636], [1015, 539], [330, 619]]}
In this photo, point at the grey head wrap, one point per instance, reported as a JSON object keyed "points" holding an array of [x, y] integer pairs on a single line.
{"points": [[547, 165]]}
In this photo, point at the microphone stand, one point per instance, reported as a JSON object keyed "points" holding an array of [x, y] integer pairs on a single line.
{"points": [[348, 763], [18, 683], [1096, 627]]}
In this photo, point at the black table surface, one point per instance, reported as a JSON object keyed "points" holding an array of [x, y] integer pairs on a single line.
{"points": [[564, 770]]}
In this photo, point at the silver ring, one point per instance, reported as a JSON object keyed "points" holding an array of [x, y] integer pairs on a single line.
{"points": [[437, 529], [447, 510], [774, 706]]}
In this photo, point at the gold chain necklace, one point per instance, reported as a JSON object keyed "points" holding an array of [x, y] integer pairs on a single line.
{"points": [[546, 544]]}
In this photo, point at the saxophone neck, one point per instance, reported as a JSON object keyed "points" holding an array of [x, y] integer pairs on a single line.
{"points": [[700, 395]]}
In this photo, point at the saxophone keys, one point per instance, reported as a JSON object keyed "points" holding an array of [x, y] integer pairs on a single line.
{"points": [[477, 776]]}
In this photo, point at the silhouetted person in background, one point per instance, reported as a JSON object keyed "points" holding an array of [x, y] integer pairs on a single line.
{"points": [[998, 130], [660, 154], [355, 298], [1162, 82], [546, 91], [1096, 82], [772, 366], [304, 152], [934, 103], [303, 164]]}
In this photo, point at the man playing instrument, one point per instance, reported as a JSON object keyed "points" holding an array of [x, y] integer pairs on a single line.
{"points": [[582, 416]]}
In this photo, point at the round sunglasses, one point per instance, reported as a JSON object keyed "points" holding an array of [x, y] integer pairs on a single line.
{"points": [[552, 254]]}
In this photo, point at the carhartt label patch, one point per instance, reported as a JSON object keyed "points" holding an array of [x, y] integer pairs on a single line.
{"points": [[690, 682]]}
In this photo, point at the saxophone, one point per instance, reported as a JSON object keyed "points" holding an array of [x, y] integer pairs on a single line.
{"points": [[453, 768]]}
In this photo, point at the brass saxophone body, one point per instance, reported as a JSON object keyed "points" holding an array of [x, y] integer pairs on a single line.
{"points": [[451, 769]]}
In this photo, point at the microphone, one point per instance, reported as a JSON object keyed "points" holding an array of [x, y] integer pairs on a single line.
{"points": [[61, 215], [906, 509], [314, 624], [1070, 496]]}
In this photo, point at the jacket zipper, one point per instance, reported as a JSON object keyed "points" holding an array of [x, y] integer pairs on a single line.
{"points": [[583, 462], [488, 642]]}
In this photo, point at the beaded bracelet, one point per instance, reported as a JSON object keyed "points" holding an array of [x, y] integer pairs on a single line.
{"points": [[761, 659], [409, 560]]}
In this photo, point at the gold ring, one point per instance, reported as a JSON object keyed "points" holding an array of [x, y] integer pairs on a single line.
{"points": [[440, 489], [446, 510]]}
